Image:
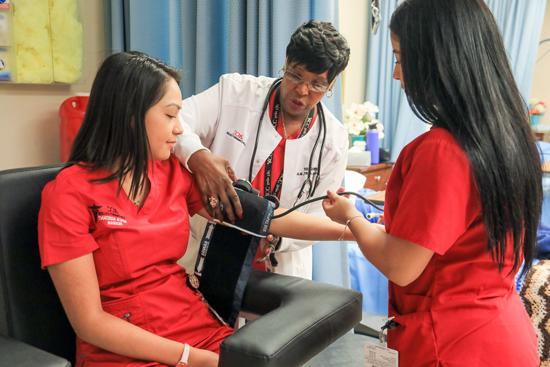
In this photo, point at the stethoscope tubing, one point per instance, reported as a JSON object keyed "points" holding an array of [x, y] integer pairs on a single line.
{"points": [[318, 198], [275, 84], [322, 129]]}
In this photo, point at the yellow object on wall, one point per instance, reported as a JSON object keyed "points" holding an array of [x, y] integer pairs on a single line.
{"points": [[66, 41], [47, 41]]}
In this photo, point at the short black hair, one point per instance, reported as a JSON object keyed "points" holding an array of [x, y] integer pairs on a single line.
{"points": [[319, 47], [113, 134]]}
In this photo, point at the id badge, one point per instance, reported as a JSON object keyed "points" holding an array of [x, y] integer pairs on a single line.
{"points": [[379, 355]]}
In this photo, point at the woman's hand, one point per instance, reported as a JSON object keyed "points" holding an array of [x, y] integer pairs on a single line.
{"points": [[338, 208], [214, 177], [202, 358]]}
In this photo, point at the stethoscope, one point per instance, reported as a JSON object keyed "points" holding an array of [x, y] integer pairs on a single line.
{"points": [[311, 182]]}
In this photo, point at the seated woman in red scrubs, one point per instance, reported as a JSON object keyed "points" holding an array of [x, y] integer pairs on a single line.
{"points": [[464, 199], [115, 221]]}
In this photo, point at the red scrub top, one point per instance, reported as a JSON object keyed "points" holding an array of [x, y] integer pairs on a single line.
{"points": [[135, 253], [461, 311]]}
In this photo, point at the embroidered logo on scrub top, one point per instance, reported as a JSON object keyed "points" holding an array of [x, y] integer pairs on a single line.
{"points": [[237, 135], [110, 216]]}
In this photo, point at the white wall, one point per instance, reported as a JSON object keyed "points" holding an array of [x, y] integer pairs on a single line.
{"points": [[29, 124], [541, 77]]}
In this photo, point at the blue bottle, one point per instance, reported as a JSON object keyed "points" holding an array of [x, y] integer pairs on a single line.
{"points": [[373, 145]]}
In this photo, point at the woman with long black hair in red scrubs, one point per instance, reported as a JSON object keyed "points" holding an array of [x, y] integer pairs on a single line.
{"points": [[115, 221], [463, 201]]}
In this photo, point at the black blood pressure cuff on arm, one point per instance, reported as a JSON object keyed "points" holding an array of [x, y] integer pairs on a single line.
{"points": [[227, 267], [227, 252], [257, 211]]}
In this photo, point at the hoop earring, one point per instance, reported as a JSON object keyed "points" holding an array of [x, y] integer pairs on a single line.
{"points": [[329, 93]]}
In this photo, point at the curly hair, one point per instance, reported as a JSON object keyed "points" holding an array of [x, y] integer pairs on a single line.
{"points": [[319, 47]]}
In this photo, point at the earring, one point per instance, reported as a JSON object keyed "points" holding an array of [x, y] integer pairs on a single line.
{"points": [[329, 93]]}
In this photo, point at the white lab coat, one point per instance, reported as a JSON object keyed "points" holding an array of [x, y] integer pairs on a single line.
{"points": [[224, 119]]}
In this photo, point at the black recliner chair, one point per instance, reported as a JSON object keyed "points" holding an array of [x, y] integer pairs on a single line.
{"points": [[298, 319]]}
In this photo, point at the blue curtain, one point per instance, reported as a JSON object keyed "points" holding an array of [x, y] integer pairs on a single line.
{"points": [[206, 38], [400, 123], [520, 23]]}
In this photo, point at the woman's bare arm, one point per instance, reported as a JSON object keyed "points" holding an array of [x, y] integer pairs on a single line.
{"points": [[401, 261], [76, 283]]}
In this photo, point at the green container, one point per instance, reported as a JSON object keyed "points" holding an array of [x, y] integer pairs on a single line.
{"points": [[355, 138]]}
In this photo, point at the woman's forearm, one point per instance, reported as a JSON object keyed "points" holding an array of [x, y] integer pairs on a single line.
{"points": [[76, 283], [122, 337], [371, 240], [399, 260], [303, 226]]}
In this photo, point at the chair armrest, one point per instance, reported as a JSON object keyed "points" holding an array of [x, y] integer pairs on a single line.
{"points": [[16, 353], [299, 319]]}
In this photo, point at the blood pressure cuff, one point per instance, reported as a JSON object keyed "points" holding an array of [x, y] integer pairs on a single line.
{"points": [[257, 211], [226, 254]]}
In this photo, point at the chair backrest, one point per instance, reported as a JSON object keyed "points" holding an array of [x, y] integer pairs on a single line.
{"points": [[30, 309]]}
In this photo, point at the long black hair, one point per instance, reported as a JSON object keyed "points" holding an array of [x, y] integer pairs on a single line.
{"points": [[457, 76], [113, 134]]}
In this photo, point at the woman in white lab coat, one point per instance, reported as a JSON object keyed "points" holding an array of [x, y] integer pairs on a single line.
{"points": [[301, 138]]}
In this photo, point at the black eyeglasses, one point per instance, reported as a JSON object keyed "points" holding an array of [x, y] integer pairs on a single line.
{"points": [[313, 86]]}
